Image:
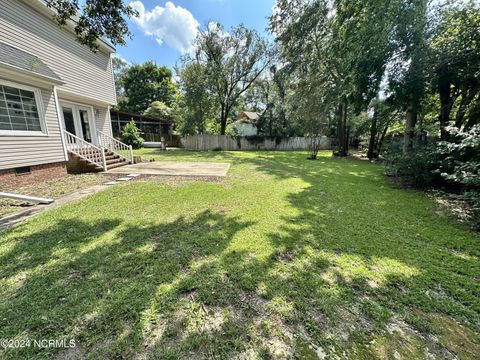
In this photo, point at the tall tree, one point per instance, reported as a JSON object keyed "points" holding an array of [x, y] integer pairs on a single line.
{"points": [[341, 46], [120, 67], [267, 97], [144, 84], [233, 61], [95, 19], [407, 72], [456, 71], [196, 97], [382, 117]]}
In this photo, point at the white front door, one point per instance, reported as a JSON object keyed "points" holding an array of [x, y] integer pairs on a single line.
{"points": [[79, 121]]}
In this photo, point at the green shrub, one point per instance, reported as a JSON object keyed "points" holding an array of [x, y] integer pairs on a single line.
{"points": [[131, 135], [453, 165], [462, 166], [417, 168], [462, 157]]}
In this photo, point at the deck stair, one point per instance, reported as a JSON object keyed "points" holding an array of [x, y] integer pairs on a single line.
{"points": [[87, 157]]}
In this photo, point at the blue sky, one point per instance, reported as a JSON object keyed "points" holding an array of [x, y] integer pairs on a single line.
{"points": [[165, 28]]}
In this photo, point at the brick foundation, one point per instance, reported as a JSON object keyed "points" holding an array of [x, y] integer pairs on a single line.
{"points": [[9, 179]]}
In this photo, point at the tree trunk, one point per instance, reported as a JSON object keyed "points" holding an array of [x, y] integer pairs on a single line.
{"points": [[409, 127], [346, 129], [463, 106], [340, 130], [347, 140], [270, 126], [444, 90], [373, 134], [381, 139], [341, 115], [474, 115], [223, 120]]}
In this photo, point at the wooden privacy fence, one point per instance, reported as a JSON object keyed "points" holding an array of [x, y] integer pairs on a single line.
{"points": [[226, 142]]}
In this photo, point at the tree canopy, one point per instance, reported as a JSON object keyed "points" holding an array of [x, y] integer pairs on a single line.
{"points": [[231, 62], [196, 102], [95, 19], [336, 53], [159, 110], [144, 84]]}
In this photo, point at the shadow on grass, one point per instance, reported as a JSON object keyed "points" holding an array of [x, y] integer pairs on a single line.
{"points": [[91, 281], [356, 257]]}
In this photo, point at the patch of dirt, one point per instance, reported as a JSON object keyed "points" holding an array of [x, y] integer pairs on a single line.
{"points": [[54, 188], [399, 340], [284, 256], [214, 319], [154, 335], [308, 351], [253, 301], [455, 337], [72, 353], [266, 330], [459, 209], [189, 294]]}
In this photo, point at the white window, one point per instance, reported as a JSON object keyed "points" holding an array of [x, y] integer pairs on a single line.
{"points": [[20, 110]]}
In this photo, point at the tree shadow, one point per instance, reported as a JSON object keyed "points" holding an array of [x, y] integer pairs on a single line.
{"points": [[358, 258], [337, 278], [91, 281]]}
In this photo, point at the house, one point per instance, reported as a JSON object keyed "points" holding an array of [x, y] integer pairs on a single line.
{"points": [[55, 97], [152, 129], [246, 124]]}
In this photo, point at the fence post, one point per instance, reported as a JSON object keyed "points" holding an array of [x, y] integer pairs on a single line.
{"points": [[131, 154]]}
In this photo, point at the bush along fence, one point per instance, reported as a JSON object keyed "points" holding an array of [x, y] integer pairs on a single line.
{"points": [[226, 142]]}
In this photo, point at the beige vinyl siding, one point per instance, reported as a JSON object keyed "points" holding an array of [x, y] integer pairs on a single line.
{"points": [[85, 73], [102, 120], [18, 151]]}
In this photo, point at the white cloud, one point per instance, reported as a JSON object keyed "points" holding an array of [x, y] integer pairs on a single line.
{"points": [[118, 56], [170, 24]]}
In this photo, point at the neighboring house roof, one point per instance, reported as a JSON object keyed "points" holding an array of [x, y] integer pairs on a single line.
{"points": [[13, 57], [248, 115], [126, 115]]}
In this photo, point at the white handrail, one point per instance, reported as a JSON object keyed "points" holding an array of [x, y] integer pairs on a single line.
{"points": [[117, 147], [85, 150]]}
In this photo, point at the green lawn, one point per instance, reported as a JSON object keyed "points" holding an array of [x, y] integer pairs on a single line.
{"points": [[286, 258]]}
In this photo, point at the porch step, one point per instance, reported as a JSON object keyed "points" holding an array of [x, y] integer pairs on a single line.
{"points": [[116, 165], [114, 160], [84, 156], [77, 164]]}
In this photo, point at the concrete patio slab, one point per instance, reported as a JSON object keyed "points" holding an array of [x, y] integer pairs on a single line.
{"points": [[175, 168]]}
